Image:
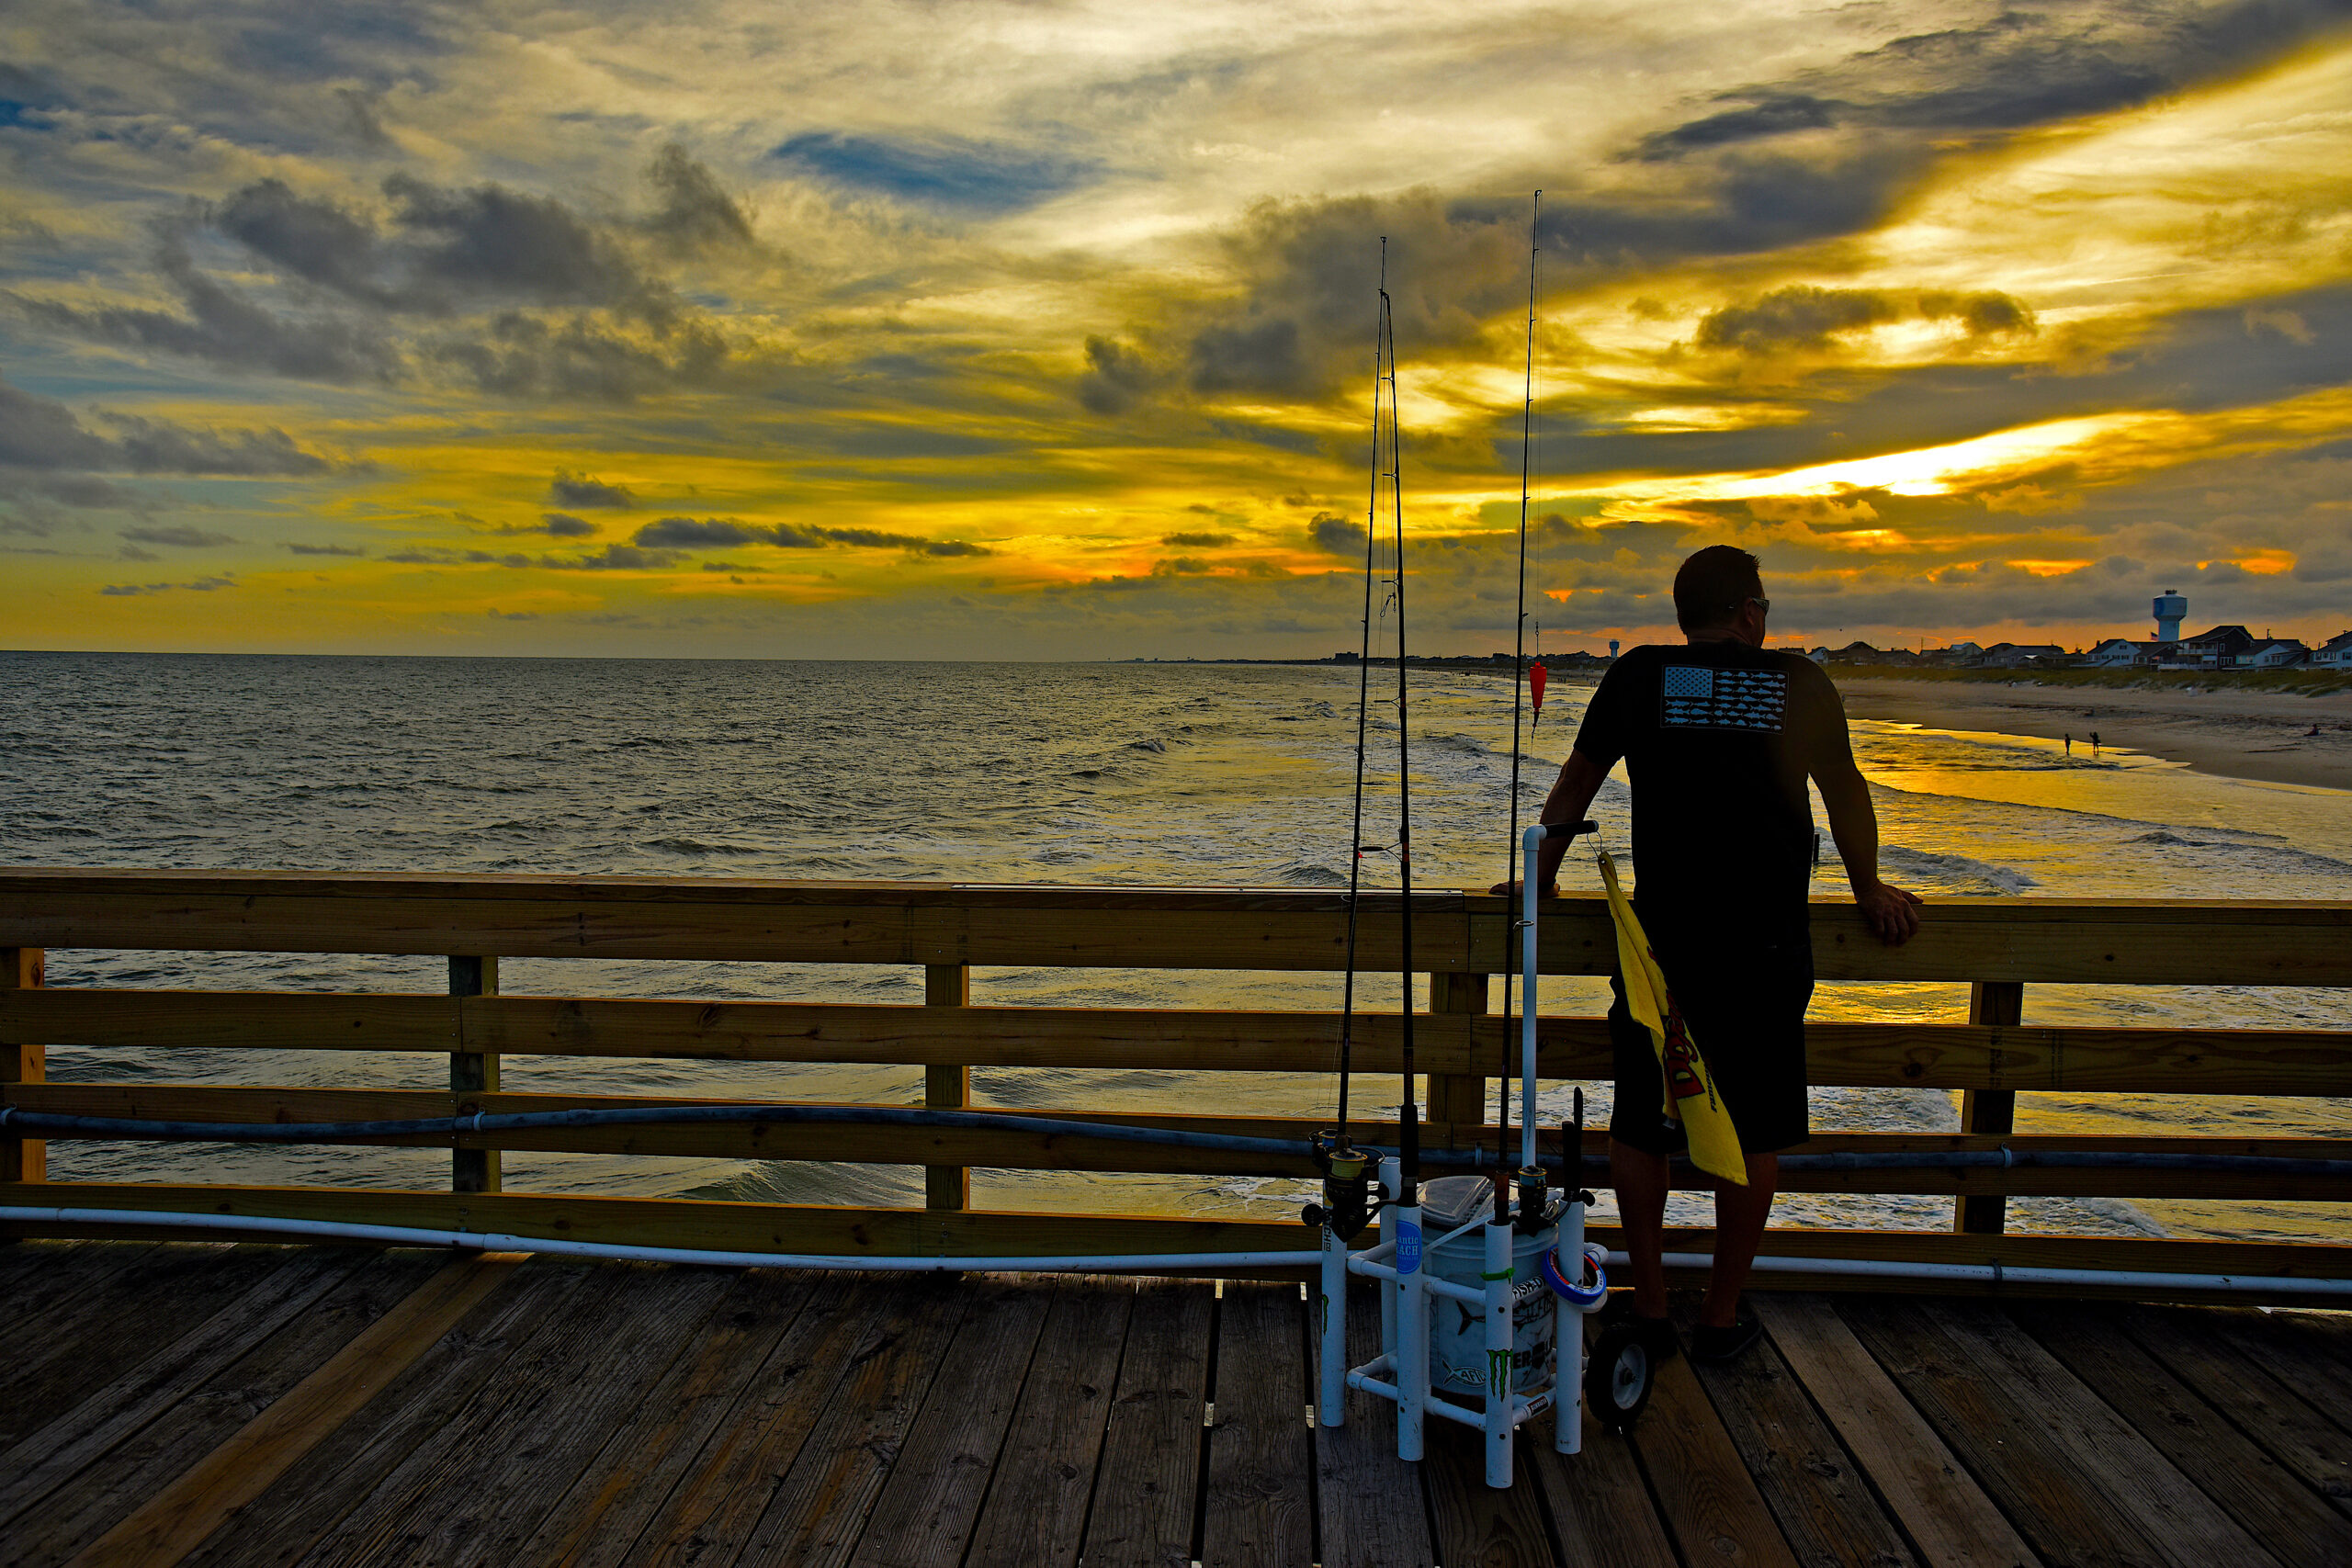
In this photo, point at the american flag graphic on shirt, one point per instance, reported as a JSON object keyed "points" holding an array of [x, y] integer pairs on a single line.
{"points": [[1697, 697]]}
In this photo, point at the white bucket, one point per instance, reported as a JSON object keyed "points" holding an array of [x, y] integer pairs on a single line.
{"points": [[1458, 1329]]}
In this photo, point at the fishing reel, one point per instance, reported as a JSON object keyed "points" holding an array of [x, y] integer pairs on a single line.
{"points": [[1347, 1204]]}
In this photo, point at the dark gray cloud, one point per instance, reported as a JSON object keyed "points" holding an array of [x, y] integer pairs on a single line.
{"points": [[952, 171], [2015, 70], [619, 558], [302, 549], [491, 239], [42, 433], [223, 327], [872, 538], [521, 356], [578, 490], [695, 214], [201, 585], [1196, 541], [178, 535], [1116, 377], [1336, 536], [159, 446], [1807, 317], [317, 240], [690, 532], [1767, 113], [564, 526], [507, 264], [672, 532]]}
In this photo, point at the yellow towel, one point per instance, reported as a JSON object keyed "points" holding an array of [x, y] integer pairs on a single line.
{"points": [[1690, 1090]]}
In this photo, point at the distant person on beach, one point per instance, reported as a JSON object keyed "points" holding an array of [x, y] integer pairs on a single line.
{"points": [[1719, 737], [2070, 743], [2094, 742]]}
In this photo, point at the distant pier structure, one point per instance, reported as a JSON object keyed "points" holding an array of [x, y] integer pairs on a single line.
{"points": [[2168, 609]]}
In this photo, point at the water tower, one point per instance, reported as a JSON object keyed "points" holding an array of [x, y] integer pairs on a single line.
{"points": [[2168, 610]]}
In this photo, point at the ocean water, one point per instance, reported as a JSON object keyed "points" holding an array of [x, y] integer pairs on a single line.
{"points": [[1187, 774]]}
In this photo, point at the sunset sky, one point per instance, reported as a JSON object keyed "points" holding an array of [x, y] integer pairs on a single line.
{"points": [[975, 330]]}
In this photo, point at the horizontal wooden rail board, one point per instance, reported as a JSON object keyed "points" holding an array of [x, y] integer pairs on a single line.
{"points": [[2119, 942], [691, 1222], [1039, 1151], [1866, 1056]]}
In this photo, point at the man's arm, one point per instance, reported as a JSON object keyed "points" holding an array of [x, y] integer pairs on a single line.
{"points": [[1571, 796], [1853, 823]]}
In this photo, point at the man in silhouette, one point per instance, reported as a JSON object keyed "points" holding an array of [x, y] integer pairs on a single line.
{"points": [[1720, 736]]}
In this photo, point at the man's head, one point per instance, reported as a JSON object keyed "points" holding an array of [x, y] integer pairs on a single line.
{"points": [[1719, 590]]}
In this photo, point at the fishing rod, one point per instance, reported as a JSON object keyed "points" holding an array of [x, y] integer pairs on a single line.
{"points": [[1408, 1130], [1346, 1191], [1518, 664]]}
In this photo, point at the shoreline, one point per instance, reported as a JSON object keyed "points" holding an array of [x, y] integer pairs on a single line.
{"points": [[2257, 735]]}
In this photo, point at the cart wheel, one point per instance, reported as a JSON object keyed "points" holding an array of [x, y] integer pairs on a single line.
{"points": [[1617, 1380]]}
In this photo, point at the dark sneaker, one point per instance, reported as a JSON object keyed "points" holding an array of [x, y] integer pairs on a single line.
{"points": [[1658, 1333], [1716, 1346]]}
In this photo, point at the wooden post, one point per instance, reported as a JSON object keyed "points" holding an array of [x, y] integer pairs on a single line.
{"points": [[2000, 1002], [947, 1087], [473, 1072], [1459, 1098], [23, 1159]]}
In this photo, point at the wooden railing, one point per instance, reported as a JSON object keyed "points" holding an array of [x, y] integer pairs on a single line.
{"points": [[1998, 946]]}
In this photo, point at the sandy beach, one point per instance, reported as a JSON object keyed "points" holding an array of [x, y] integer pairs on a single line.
{"points": [[2246, 735]]}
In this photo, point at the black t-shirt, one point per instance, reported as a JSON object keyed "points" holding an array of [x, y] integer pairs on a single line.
{"points": [[1718, 739]]}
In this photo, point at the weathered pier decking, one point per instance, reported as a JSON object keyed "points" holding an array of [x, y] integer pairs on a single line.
{"points": [[206, 1403]]}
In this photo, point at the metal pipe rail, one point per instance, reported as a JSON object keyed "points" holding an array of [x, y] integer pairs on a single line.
{"points": [[54, 1126]]}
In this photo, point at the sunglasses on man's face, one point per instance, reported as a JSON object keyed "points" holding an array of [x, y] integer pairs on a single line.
{"points": [[1763, 606]]}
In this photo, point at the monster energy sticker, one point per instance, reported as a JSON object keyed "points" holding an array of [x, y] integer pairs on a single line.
{"points": [[1695, 697]]}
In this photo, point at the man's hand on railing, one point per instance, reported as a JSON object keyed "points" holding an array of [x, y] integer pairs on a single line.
{"points": [[1893, 913]]}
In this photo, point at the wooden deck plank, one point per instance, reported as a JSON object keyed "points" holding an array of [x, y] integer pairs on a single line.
{"points": [[1258, 1507], [2137, 1475], [1710, 1504], [336, 1473], [2036, 1442], [1602, 1514], [25, 1261], [2269, 1501], [290, 1282], [721, 1494], [1471, 1521], [406, 1500], [491, 1491], [112, 1323], [1816, 1492], [931, 1496], [2276, 1395], [1036, 1512], [1946, 1514], [1144, 1492], [202, 1416], [820, 1506], [610, 1503], [2308, 1353], [175, 1519], [1369, 1504]]}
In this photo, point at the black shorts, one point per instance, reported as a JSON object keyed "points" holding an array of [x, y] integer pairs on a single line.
{"points": [[1743, 992]]}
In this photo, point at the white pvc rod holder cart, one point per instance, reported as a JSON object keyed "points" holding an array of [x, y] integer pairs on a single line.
{"points": [[1400, 1373]]}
